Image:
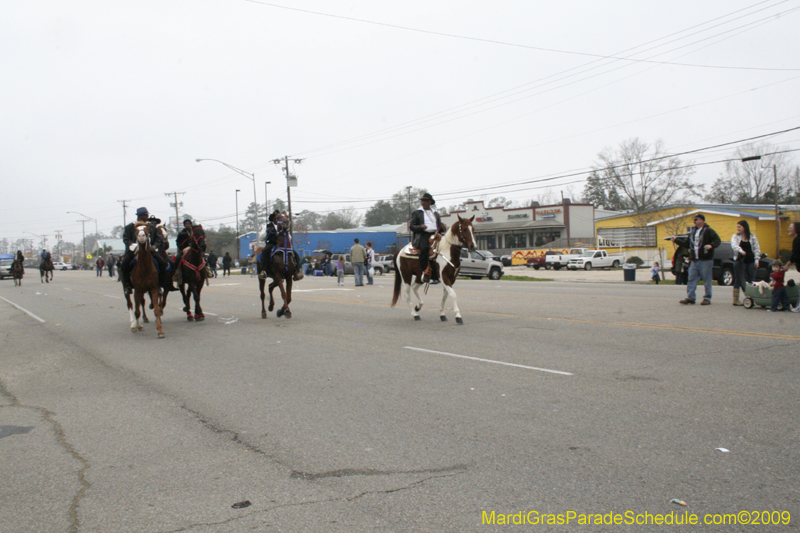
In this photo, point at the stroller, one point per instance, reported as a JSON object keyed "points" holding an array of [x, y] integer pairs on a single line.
{"points": [[754, 297]]}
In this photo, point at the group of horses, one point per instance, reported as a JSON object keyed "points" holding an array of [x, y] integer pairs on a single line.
{"points": [[279, 266], [45, 270]]}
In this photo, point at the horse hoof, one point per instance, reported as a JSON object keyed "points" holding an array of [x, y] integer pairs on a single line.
{"points": [[141, 328], [133, 330], [459, 320], [151, 306], [146, 320], [263, 315], [417, 308], [443, 318], [280, 313], [199, 318], [417, 317], [160, 335], [190, 318], [288, 314], [185, 309], [271, 307]]}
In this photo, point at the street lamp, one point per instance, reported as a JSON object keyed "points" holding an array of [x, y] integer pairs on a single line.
{"points": [[247, 175], [42, 237], [777, 220], [86, 216], [238, 246]]}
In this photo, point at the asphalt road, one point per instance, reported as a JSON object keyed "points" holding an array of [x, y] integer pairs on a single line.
{"points": [[552, 397]]}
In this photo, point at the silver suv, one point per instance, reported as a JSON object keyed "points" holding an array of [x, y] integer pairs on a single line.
{"points": [[5, 268], [479, 264]]}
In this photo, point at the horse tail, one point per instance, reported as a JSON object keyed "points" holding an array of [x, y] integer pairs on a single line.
{"points": [[398, 279]]}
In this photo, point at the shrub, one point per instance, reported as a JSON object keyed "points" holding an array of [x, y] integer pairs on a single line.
{"points": [[636, 260]]}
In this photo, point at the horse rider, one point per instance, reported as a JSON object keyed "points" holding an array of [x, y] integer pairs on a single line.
{"points": [[21, 260], [425, 222], [129, 239], [271, 240], [182, 241], [43, 255]]}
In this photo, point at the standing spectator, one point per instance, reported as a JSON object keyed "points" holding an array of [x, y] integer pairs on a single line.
{"points": [[702, 241], [119, 268], [99, 264], [746, 254], [340, 270], [368, 263], [110, 263], [226, 264], [779, 295], [326, 265], [655, 273], [212, 263], [679, 267], [794, 259], [358, 256]]}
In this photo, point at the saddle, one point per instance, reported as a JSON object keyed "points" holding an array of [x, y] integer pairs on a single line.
{"points": [[435, 238]]}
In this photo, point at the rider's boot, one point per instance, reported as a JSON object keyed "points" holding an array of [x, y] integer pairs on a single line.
{"points": [[208, 272], [426, 276], [126, 283]]}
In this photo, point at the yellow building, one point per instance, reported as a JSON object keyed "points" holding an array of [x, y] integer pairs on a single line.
{"points": [[643, 233]]}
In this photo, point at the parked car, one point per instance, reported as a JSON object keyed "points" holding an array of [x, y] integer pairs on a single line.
{"points": [[60, 265], [479, 264], [539, 262], [595, 259], [5, 268], [561, 259], [386, 263], [506, 260], [379, 268]]}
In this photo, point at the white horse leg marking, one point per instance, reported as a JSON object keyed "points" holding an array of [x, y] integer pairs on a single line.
{"points": [[452, 294], [444, 299], [133, 320], [416, 287]]}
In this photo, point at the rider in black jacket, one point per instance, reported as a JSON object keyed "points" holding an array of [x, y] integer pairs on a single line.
{"points": [[424, 223]]}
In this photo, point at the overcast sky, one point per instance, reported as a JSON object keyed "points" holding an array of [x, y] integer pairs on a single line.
{"points": [[112, 100]]}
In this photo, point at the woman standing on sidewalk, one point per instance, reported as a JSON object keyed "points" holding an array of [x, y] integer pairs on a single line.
{"points": [[746, 254]]}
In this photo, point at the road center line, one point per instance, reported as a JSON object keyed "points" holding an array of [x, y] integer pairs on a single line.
{"points": [[110, 296], [23, 310], [490, 361]]}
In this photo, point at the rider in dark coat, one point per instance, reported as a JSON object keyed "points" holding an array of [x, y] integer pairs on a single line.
{"points": [[181, 242], [21, 260], [425, 222], [271, 240], [129, 238]]}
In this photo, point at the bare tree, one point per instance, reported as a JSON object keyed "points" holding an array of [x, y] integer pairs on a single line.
{"points": [[643, 176], [343, 218], [753, 182]]}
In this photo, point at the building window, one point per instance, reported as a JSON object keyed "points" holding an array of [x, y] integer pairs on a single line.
{"points": [[515, 241]]}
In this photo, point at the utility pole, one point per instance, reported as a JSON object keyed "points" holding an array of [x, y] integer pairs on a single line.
{"points": [[124, 212], [777, 219], [175, 204], [58, 243], [291, 181]]}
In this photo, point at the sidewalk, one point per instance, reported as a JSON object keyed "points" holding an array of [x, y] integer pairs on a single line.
{"points": [[599, 276]]}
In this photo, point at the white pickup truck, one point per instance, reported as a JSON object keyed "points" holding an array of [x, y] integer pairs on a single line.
{"points": [[594, 259], [556, 261]]}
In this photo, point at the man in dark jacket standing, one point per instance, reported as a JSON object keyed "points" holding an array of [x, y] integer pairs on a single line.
{"points": [[424, 223], [701, 242]]}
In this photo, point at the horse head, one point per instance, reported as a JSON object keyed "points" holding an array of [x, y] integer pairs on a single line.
{"points": [[143, 235], [162, 238], [463, 231], [199, 238]]}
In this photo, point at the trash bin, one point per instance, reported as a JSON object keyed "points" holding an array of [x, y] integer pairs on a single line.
{"points": [[629, 270], [244, 270]]}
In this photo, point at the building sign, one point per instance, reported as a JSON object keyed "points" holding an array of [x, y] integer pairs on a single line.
{"points": [[547, 211], [547, 216], [483, 219], [518, 215]]}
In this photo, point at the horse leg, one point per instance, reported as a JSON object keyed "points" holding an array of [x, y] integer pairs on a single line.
{"points": [[198, 311], [282, 310], [130, 312], [452, 293], [144, 308], [154, 298], [271, 298], [261, 284], [187, 301], [415, 287], [442, 315], [288, 294], [137, 297]]}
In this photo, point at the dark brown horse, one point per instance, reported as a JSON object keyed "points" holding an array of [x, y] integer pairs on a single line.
{"points": [[193, 272], [46, 269], [18, 269], [144, 278], [279, 265], [161, 246], [448, 261]]}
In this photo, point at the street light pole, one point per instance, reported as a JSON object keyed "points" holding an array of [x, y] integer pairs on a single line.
{"points": [[777, 218], [289, 185], [238, 245], [266, 200], [248, 175]]}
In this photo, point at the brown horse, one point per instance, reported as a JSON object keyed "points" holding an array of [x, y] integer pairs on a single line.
{"points": [[278, 265], [18, 269], [193, 273], [446, 255], [161, 246], [46, 269], [144, 278]]}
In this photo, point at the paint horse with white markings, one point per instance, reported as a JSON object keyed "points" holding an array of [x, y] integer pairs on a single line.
{"points": [[144, 279], [446, 255]]}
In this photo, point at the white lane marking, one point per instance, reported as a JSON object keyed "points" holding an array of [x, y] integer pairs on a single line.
{"points": [[24, 310], [211, 314], [67, 289], [223, 284], [317, 290], [111, 296], [490, 361]]}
